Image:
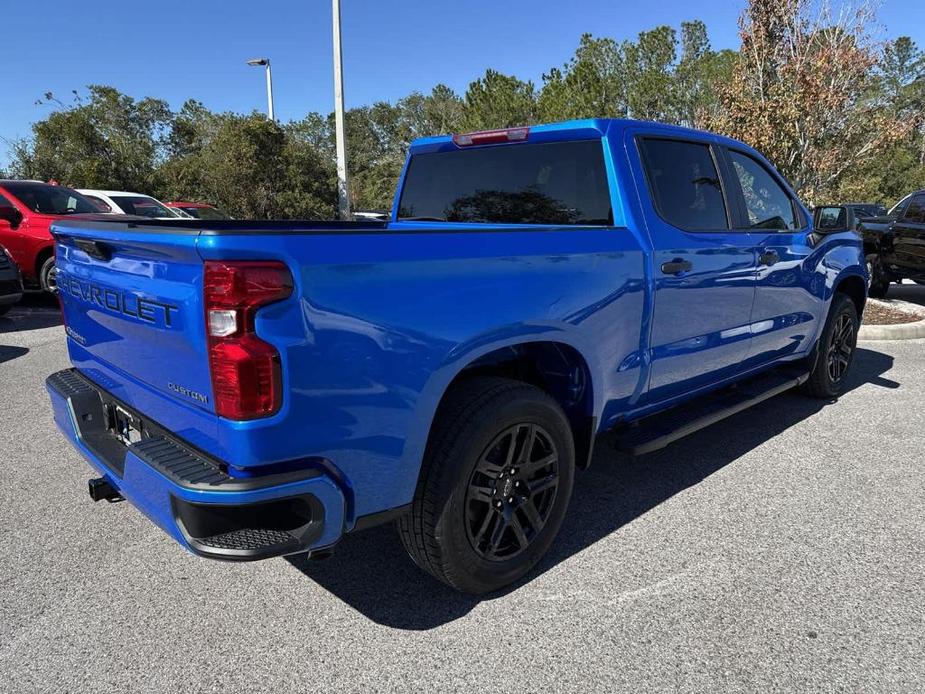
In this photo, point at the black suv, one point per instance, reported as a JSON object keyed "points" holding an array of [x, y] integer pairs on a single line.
{"points": [[894, 244]]}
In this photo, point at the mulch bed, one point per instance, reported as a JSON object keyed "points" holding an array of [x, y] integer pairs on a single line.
{"points": [[878, 313]]}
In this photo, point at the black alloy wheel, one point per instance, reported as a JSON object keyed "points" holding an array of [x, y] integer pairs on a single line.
{"points": [[512, 491], [841, 344]]}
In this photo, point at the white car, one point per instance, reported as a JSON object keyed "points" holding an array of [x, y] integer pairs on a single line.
{"points": [[121, 202]]}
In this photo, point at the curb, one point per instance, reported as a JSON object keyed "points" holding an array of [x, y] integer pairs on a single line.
{"points": [[902, 331], [899, 331]]}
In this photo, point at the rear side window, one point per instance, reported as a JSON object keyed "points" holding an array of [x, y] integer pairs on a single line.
{"points": [[915, 211], [768, 205], [684, 184], [551, 183]]}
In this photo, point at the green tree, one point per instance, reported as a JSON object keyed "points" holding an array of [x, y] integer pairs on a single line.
{"points": [[650, 75], [592, 84], [498, 101], [103, 140]]}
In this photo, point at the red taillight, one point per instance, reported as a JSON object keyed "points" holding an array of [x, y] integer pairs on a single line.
{"points": [[491, 137], [246, 381]]}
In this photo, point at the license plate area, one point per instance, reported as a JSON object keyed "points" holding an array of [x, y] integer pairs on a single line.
{"points": [[123, 426]]}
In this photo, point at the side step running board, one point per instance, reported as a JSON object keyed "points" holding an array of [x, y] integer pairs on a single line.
{"points": [[656, 431]]}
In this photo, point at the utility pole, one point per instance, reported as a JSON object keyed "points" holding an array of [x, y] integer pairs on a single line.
{"points": [[343, 201]]}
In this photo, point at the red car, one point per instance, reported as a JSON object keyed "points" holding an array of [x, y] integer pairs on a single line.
{"points": [[199, 210], [29, 208]]}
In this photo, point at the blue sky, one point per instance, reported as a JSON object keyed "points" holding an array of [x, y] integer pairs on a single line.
{"points": [[176, 50]]}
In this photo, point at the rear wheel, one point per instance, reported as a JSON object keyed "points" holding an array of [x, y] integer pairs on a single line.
{"points": [[48, 274], [835, 350], [878, 282], [494, 487]]}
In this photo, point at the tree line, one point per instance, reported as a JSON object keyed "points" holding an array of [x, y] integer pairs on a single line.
{"points": [[839, 112]]}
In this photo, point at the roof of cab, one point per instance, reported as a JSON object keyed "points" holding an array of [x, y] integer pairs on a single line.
{"points": [[579, 129]]}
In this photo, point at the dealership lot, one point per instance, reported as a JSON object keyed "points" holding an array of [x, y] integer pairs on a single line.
{"points": [[781, 549]]}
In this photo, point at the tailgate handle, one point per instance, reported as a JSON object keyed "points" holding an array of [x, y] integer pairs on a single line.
{"points": [[95, 249]]}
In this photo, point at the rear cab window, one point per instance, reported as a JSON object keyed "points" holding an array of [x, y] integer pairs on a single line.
{"points": [[554, 183]]}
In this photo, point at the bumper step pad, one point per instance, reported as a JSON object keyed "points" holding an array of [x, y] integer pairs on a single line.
{"points": [[250, 540]]}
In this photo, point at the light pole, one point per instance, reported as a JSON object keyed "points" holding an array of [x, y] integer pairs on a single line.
{"points": [[266, 61], [343, 201]]}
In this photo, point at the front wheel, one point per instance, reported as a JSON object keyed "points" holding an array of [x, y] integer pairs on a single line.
{"points": [[835, 350], [48, 275], [494, 487]]}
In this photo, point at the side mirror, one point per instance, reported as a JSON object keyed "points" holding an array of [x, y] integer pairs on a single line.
{"points": [[830, 219], [11, 216], [5, 226]]}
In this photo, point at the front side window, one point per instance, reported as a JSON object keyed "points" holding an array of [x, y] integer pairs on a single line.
{"points": [[548, 183], [768, 205], [900, 207], [99, 202], [684, 184], [915, 212]]}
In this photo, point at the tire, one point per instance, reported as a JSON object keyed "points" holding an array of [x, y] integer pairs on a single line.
{"points": [[482, 517], [837, 342], [47, 274], [878, 282]]}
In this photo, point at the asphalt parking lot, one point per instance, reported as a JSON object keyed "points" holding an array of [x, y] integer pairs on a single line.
{"points": [[783, 549]]}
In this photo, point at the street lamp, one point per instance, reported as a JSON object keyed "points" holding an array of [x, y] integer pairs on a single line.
{"points": [[266, 61]]}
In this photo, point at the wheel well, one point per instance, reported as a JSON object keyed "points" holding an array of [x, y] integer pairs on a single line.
{"points": [[854, 287], [41, 257], [557, 369]]}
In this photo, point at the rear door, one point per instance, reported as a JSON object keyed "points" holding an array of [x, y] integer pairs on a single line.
{"points": [[704, 269], [132, 301], [908, 251], [784, 318]]}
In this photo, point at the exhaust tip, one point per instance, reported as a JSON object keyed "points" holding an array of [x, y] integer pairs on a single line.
{"points": [[100, 489]]}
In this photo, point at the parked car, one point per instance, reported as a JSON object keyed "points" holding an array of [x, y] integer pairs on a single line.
{"points": [[120, 202], [262, 388], [894, 244], [29, 208], [10, 277], [198, 210]]}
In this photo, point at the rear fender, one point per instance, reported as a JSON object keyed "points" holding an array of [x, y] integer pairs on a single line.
{"points": [[471, 351]]}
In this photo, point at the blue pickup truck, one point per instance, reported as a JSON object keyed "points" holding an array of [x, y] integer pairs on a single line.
{"points": [[260, 389]]}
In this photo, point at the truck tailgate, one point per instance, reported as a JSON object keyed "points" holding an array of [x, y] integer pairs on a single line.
{"points": [[132, 302]]}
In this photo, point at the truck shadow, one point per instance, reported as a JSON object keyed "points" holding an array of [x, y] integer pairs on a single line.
{"points": [[34, 312], [371, 572]]}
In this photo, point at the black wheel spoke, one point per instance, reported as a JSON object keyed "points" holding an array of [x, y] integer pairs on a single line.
{"points": [[489, 468], [533, 516], [480, 493], [497, 534], [532, 467], [483, 528], [542, 484], [519, 533]]}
